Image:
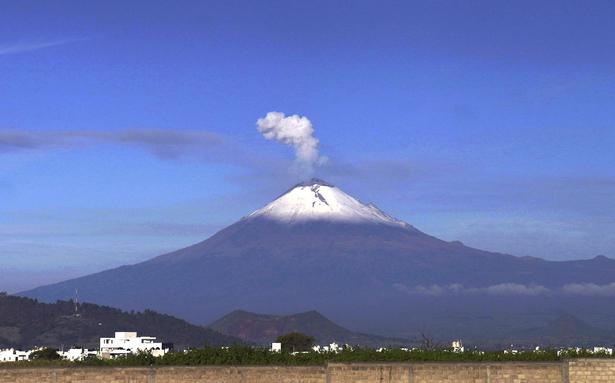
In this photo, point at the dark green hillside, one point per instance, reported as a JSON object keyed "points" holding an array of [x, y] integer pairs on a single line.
{"points": [[26, 323]]}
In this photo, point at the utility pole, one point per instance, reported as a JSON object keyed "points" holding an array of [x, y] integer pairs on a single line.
{"points": [[76, 303]]}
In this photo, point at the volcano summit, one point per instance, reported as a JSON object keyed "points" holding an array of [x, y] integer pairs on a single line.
{"points": [[317, 248], [317, 200]]}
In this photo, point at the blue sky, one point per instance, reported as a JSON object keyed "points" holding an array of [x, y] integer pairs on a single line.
{"points": [[128, 129]]}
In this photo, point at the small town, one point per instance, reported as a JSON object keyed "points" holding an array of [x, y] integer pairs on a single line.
{"points": [[124, 344]]}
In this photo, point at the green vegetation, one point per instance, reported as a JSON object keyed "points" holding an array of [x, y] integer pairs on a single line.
{"points": [[45, 354], [242, 355], [295, 341]]}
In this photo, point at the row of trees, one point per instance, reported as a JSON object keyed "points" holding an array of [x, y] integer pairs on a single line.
{"points": [[243, 355]]}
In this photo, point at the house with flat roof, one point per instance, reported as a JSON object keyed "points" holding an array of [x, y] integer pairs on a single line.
{"points": [[13, 355], [125, 343]]}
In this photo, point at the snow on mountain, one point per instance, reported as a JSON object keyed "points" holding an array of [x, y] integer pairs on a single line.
{"points": [[317, 200]]}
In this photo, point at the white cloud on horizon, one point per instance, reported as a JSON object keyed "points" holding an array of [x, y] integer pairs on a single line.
{"points": [[459, 289], [589, 289], [585, 289]]}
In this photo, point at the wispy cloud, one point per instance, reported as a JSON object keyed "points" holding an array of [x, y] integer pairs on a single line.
{"points": [[163, 143], [459, 289], [590, 289], [584, 289], [23, 46]]}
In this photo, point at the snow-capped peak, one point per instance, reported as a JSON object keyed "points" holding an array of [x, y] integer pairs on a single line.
{"points": [[317, 200]]}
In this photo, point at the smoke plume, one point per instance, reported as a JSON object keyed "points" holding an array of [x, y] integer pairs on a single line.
{"points": [[296, 131]]}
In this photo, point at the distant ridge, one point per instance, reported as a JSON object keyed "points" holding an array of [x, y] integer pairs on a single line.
{"points": [[264, 329]]}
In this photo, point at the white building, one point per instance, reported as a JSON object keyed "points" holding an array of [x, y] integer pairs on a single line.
{"points": [[333, 347], [74, 354], [457, 346], [12, 355], [276, 347], [125, 343], [605, 350]]}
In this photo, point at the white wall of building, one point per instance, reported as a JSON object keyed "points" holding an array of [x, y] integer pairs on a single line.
{"points": [[75, 354], [130, 343], [12, 355]]}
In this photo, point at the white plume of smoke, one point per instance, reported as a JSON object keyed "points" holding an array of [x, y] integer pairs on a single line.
{"points": [[296, 131]]}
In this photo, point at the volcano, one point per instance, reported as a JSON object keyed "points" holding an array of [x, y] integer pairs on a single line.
{"points": [[317, 248]]}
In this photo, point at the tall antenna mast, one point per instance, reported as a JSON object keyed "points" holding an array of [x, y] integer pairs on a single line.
{"points": [[76, 303]]}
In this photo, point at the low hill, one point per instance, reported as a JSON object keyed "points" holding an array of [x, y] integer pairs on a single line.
{"points": [[27, 323], [264, 329]]}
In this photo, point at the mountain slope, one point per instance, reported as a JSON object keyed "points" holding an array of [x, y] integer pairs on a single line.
{"points": [[565, 330], [27, 323], [264, 329], [317, 247]]}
